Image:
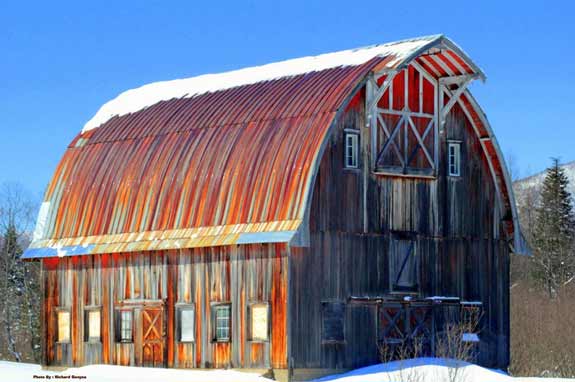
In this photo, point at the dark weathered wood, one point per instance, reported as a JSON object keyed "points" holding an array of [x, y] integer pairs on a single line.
{"points": [[454, 222]]}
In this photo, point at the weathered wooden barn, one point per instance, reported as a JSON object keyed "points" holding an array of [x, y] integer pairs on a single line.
{"points": [[290, 217]]}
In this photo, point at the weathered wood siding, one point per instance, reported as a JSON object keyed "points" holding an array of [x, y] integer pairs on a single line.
{"points": [[236, 274], [456, 223]]}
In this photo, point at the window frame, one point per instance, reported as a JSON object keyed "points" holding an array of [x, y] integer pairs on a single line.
{"points": [[251, 337], [355, 140], [215, 307], [68, 311], [87, 337], [180, 308], [456, 145], [327, 341], [119, 327]]}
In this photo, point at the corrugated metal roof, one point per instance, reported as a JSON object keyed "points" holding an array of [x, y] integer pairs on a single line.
{"points": [[396, 54], [227, 166]]}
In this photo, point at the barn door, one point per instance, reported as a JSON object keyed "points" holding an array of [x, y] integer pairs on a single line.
{"points": [[403, 265], [153, 341], [406, 329], [404, 122]]}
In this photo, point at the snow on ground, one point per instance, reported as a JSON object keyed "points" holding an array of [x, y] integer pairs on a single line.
{"points": [[415, 370], [24, 372], [428, 369]]}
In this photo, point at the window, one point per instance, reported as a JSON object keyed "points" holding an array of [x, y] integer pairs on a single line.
{"points": [[222, 321], [92, 325], [186, 323], [333, 314], [403, 264], [124, 322], [259, 319], [454, 154], [351, 150], [64, 326]]}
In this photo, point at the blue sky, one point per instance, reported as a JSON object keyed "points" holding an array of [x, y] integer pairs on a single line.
{"points": [[61, 61]]}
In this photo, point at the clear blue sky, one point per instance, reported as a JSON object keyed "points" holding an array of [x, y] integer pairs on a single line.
{"points": [[60, 61]]}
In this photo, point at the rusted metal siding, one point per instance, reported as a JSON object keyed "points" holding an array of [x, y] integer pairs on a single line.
{"points": [[199, 277], [457, 225]]}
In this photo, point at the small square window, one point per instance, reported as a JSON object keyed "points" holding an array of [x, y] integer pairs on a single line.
{"points": [[64, 326], [186, 324], [124, 323], [351, 158], [333, 326], [222, 322], [92, 322], [259, 322], [454, 158]]}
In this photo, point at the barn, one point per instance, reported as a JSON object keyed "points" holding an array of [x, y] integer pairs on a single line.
{"points": [[288, 218]]}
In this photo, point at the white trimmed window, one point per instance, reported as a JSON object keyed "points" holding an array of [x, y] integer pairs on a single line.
{"points": [[64, 326], [259, 322], [222, 322], [351, 158], [454, 158], [92, 323], [186, 316]]}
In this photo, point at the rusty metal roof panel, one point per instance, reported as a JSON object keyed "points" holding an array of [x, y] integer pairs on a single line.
{"points": [[205, 162]]}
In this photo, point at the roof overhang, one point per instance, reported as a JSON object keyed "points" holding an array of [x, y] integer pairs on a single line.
{"points": [[270, 232], [434, 43]]}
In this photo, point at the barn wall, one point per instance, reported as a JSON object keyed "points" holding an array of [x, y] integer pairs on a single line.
{"points": [[238, 274], [456, 222]]}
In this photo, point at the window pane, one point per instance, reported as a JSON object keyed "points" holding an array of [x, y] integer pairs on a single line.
{"points": [[259, 324], [63, 326], [126, 325], [94, 324], [454, 159], [223, 323], [351, 150], [187, 325]]}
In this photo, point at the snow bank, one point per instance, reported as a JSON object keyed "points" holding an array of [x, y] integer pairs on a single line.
{"points": [[147, 95], [24, 372], [420, 370], [427, 369]]}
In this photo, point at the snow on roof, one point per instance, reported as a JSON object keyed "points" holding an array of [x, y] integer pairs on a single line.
{"points": [[137, 99]]}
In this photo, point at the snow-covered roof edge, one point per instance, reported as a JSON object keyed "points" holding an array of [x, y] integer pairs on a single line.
{"points": [[137, 99]]}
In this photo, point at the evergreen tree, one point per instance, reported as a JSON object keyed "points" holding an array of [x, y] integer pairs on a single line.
{"points": [[553, 234], [19, 280], [13, 287]]}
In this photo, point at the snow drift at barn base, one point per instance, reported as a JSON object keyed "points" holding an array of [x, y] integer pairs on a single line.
{"points": [[420, 369]]}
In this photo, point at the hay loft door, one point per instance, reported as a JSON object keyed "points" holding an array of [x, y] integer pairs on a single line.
{"points": [[406, 110], [404, 123], [153, 339]]}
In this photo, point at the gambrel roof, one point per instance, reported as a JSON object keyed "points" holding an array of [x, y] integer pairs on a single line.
{"points": [[219, 159]]}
